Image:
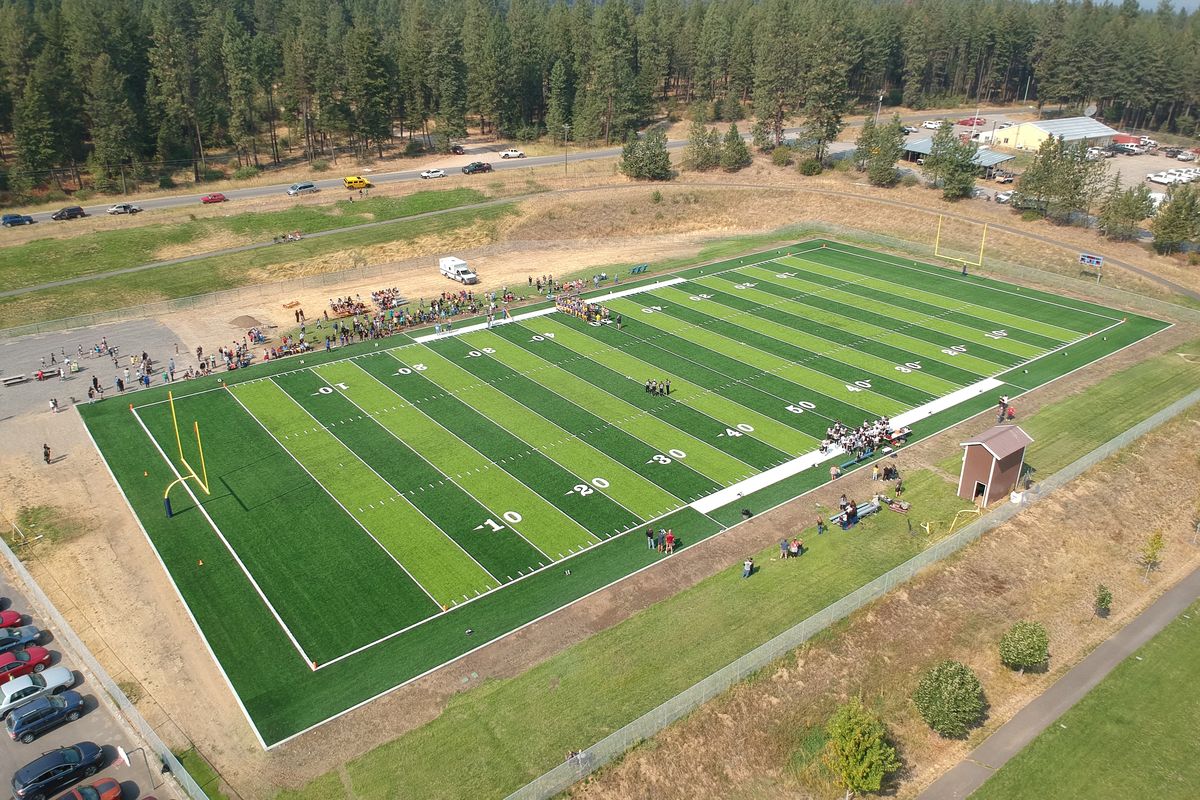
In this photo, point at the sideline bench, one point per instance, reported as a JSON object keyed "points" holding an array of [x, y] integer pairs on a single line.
{"points": [[13, 380], [47, 374], [639, 269], [865, 510]]}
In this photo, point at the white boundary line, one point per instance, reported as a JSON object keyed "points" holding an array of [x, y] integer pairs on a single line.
{"points": [[772, 476], [186, 608], [224, 541]]}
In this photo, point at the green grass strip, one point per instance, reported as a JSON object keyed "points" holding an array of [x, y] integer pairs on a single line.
{"points": [[598, 513], [995, 300], [637, 370], [426, 553], [952, 306], [796, 344], [502, 553], [828, 375], [665, 490], [292, 537], [601, 385], [542, 523], [540, 432], [921, 326], [816, 316], [1090, 749]]}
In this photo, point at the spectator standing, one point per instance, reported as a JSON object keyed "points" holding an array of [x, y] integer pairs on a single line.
{"points": [[747, 567]]}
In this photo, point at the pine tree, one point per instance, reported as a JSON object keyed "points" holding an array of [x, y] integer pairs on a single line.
{"points": [[558, 105], [368, 90], [111, 120], [734, 153], [703, 151], [887, 148], [826, 90], [647, 157], [865, 145], [33, 128], [238, 54], [1177, 220]]}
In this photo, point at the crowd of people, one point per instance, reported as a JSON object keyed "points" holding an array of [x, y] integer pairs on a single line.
{"points": [[387, 298], [346, 306], [866, 438], [660, 388], [581, 309]]}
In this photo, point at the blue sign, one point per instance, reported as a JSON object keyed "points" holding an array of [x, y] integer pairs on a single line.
{"points": [[1091, 261]]}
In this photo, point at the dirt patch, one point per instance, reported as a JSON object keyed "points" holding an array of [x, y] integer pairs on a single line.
{"points": [[245, 321], [217, 240]]}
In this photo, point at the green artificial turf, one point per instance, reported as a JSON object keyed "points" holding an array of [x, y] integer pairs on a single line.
{"points": [[1131, 736], [404, 480]]}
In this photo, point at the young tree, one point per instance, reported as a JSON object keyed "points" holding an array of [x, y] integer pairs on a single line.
{"points": [[858, 751], [888, 146], [1152, 551], [760, 136], [950, 699], [1025, 645], [1123, 209], [826, 100], [647, 157], [734, 153], [951, 163], [1103, 602], [1177, 220], [865, 145], [703, 151]]}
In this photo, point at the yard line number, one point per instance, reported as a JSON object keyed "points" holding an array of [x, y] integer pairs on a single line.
{"points": [[511, 517], [909, 366], [583, 490], [541, 337], [698, 297], [858, 386], [955, 350], [996, 334], [659, 458], [480, 352], [652, 309], [746, 285], [329, 389], [742, 428], [800, 408]]}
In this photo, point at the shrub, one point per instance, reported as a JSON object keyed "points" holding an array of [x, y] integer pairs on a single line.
{"points": [[656, 197], [413, 147], [320, 165], [211, 174], [84, 194], [782, 156], [950, 699], [55, 195], [811, 166], [166, 182], [247, 172], [858, 751], [1103, 600], [909, 179], [1030, 215], [1026, 645]]}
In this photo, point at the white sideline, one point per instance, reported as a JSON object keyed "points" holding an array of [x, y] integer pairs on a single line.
{"points": [[797, 465], [479, 326]]}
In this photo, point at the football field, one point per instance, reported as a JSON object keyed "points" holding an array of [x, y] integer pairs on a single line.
{"points": [[375, 512]]}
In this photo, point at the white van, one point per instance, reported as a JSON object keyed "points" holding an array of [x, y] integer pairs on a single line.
{"points": [[457, 269]]}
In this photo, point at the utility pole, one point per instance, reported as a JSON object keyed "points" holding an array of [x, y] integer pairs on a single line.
{"points": [[566, 146], [878, 108]]}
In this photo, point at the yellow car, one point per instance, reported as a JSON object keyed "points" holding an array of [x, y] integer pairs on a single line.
{"points": [[355, 182]]}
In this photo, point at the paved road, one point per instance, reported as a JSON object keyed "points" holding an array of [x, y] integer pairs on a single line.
{"points": [[1019, 731], [97, 725], [478, 153]]}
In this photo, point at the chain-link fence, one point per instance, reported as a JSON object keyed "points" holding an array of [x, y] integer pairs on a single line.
{"points": [[66, 637], [649, 724]]}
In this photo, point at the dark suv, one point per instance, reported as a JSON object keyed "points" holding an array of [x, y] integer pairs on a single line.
{"points": [[70, 212], [476, 166], [56, 769], [38, 716]]}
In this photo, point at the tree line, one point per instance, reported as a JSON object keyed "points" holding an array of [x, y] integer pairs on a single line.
{"points": [[125, 86]]}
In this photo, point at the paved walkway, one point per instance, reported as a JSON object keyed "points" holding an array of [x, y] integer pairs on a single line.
{"points": [[1019, 731]]}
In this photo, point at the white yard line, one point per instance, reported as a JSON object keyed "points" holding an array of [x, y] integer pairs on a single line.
{"points": [[764, 479]]}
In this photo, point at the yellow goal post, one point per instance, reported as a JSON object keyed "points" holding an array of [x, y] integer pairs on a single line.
{"points": [[188, 472]]}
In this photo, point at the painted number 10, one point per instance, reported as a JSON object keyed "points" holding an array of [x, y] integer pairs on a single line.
{"points": [[511, 517]]}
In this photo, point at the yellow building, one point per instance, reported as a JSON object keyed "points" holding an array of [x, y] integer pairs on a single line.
{"points": [[1030, 135]]}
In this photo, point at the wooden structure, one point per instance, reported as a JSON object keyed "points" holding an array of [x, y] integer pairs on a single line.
{"points": [[992, 463]]}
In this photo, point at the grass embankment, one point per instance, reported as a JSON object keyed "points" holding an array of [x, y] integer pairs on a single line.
{"points": [[217, 273], [498, 744], [1131, 736], [46, 260]]}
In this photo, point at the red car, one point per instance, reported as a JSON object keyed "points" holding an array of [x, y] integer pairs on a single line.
{"points": [[23, 662], [215, 197], [103, 789], [971, 122], [10, 619]]}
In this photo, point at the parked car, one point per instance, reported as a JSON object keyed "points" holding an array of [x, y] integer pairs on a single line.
{"points": [[17, 219], [1186, 155], [103, 789], [908, 129], [215, 197], [971, 122], [433, 173], [23, 662], [1004, 125], [511, 152], [1127, 149], [932, 124], [14, 638], [1003, 197], [357, 182], [304, 187], [1171, 152], [476, 166], [980, 194], [1004, 177], [36, 717], [52, 771], [1162, 178], [457, 149], [21, 690], [70, 212], [124, 208]]}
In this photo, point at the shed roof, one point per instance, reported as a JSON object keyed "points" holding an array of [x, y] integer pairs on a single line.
{"points": [[984, 156], [1074, 128], [1001, 440]]}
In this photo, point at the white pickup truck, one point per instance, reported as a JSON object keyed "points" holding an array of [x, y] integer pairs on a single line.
{"points": [[457, 269]]}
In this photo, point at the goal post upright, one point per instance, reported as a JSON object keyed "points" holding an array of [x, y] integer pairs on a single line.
{"points": [[188, 471], [937, 246]]}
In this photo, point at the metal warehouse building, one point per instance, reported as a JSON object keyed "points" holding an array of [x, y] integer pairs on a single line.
{"points": [[986, 158], [1030, 135]]}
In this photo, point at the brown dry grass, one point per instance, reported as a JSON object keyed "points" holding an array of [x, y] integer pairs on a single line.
{"points": [[1038, 566], [218, 240]]}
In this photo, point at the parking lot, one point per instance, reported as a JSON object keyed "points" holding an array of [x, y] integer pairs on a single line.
{"points": [[142, 779]]}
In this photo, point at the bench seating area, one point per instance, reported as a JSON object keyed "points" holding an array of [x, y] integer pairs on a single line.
{"points": [[13, 380], [865, 510]]}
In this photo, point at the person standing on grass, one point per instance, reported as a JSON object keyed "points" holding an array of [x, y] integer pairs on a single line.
{"points": [[668, 388], [747, 567], [660, 540], [783, 548], [650, 537], [670, 541]]}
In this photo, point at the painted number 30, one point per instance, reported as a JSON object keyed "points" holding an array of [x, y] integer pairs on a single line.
{"points": [[659, 458]]}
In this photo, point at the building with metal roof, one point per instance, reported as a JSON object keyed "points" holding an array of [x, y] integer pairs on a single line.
{"points": [[1030, 135], [985, 157]]}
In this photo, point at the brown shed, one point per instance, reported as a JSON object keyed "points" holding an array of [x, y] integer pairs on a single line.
{"points": [[992, 463]]}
